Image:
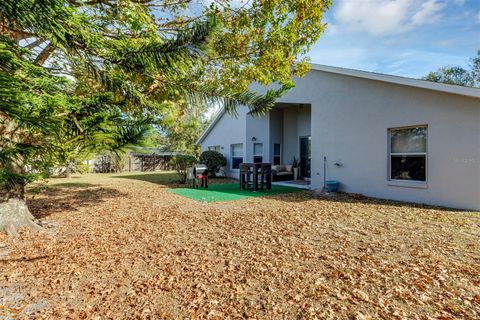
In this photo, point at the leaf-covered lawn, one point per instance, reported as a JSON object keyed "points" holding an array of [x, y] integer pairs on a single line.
{"points": [[124, 247]]}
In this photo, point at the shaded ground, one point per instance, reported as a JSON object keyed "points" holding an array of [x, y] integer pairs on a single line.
{"points": [[124, 247]]}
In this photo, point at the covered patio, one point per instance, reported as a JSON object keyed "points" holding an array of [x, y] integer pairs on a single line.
{"points": [[290, 140]]}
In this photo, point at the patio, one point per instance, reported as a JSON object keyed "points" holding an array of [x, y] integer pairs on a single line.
{"points": [[300, 184]]}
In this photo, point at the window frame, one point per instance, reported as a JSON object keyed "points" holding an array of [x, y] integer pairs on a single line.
{"points": [[279, 155], [257, 155], [390, 154], [214, 148], [232, 156]]}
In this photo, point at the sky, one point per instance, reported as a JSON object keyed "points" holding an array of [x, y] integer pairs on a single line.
{"points": [[400, 37]]}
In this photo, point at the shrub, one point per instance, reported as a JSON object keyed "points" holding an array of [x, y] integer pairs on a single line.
{"points": [[181, 163], [214, 160]]}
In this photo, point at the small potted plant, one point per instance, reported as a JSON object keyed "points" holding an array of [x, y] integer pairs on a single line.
{"points": [[295, 166]]}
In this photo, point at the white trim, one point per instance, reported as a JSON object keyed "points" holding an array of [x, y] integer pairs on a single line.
{"points": [[408, 184], [231, 155], [401, 182], [253, 151], [449, 88]]}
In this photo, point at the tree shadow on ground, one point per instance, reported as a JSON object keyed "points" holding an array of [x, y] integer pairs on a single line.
{"points": [[69, 198], [166, 179]]}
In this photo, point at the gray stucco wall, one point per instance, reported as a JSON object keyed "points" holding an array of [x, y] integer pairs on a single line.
{"points": [[350, 121], [296, 124], [276, 131], [290, 135], [228, 130], [258, 128], [350, 118]]}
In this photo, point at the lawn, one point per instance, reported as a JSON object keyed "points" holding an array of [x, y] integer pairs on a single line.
{"points": [[218, 192], [126, 247]]}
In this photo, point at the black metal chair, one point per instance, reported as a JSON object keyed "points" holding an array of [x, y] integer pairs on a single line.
{"points": [[266, 176], [245, 176]]}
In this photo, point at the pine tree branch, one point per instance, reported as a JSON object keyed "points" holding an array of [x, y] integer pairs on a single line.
{"points": [[45, 54]]}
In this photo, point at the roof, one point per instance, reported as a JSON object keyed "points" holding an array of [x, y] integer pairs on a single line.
{"points": [[424, 84], [411, 82]]}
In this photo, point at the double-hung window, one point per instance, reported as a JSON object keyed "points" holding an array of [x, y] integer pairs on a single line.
{"points": [[258, 152], [408, 154], [276, 154], [237, 155]]}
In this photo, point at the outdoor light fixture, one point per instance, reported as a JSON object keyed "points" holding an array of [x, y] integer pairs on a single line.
{"points": [[254, 139]]}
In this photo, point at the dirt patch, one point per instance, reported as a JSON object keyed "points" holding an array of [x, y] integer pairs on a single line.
{"points": [[138, 251]]}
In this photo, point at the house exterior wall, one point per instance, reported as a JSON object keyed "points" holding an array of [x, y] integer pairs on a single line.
{"points": [[350, 118], [228, 130], [276, 132], [303, 121], [290, 135], [258, 128], [352, 129], [296, 124]]}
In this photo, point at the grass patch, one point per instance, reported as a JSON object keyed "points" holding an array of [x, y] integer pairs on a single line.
{"points": [[228, 192]]}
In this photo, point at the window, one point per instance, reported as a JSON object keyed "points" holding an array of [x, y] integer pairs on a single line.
{"points": [[214, 148], [258, 152], [276, 154], [408, 154], [237, 155]]}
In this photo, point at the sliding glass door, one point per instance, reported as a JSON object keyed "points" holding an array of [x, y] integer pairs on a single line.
{"points": [[305, 156]]}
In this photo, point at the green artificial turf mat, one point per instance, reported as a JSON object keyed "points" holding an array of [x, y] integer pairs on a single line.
{"points": [[228, 192]]}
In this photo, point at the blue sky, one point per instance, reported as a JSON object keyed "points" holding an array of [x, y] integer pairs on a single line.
{"points": [[400, 37]]}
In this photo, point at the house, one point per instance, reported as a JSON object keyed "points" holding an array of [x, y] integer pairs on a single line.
{"points": [[379, 135]]}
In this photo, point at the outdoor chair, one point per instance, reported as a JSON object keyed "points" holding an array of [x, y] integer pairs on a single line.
{"points": [[245, 176], [266, 176]]}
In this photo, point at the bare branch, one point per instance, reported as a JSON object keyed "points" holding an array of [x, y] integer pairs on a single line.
{"points": [[43, 56]]}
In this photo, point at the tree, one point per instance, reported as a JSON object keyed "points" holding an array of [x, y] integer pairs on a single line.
{"points": [[214, 161], [458, 75], [137, 60], [181, 163], [181, 128]]}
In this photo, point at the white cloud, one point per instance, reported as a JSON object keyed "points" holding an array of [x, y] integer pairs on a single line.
{"points": [[429, 12], [477, 17], [459, 2], [385, 17]]}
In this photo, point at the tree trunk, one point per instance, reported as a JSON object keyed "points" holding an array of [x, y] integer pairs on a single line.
{"points": [[68, 172], [14, 213]]}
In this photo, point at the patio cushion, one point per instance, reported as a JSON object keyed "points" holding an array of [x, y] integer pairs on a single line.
{"points": [[284, 173], [281, 168], [288, 168]]}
